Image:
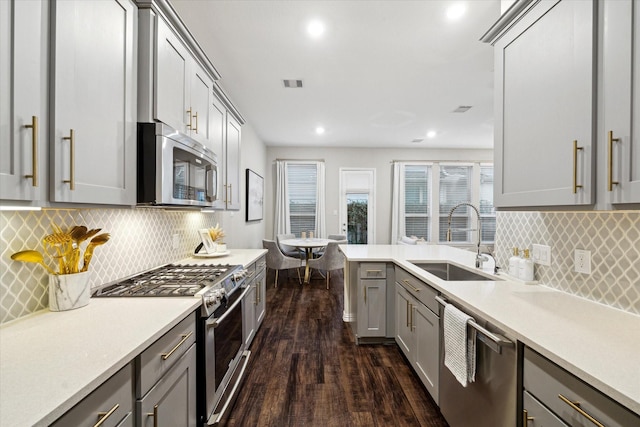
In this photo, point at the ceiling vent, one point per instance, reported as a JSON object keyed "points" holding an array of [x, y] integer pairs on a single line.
{"points": [[462, 109], [294, 84]]}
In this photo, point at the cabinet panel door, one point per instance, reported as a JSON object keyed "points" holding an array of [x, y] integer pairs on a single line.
{"points": [[545, 99], [94, 94], [372, 318], [427, 350], [621, 100], [172, 402], [404, 335], [171, 89], [249, 315], [261, 289], [217, 143], [201, 95], [23, 59], [233, 163]]}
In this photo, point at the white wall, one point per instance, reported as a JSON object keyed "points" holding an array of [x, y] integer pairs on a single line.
{"points": [[238, 232], [378, 158]]}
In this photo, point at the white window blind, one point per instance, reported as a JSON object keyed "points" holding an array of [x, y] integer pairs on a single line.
{"points": [[487, 210], [455, 188], [417, 188], [302, 190]]}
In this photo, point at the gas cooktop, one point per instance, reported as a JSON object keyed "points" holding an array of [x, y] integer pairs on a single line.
{"points": [[171, 280]]}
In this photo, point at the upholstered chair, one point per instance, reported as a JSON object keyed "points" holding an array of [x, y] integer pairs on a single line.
{"points": [[277, 261], [332, 259]]}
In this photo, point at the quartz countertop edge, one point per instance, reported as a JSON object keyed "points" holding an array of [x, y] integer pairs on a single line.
{"points": [[44, 372], [595, 342]]}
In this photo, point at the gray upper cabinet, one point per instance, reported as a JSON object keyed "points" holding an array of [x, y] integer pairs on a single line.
{"points": [[93, 102], [545, 106], [619, 137], [226, 139], [23, 59]]}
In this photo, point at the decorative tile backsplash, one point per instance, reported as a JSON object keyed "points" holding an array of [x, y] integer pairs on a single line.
{"points": [[613, 238], [140, 239]]}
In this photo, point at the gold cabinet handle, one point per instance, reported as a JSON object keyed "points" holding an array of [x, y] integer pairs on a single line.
{"points": [[230, 194], [364, 289], [72, 159], [185, 337], [189, 111], [226, 194], [34, 150], [102, 416], [374, 271], [413, 309], [408, 308], [526, 418], [610, 181], [575, 166], [195, 129], [576, 406], [154, 414], [413, 288]]}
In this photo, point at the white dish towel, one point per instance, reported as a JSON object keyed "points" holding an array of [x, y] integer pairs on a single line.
{"points": [[459, 347]]}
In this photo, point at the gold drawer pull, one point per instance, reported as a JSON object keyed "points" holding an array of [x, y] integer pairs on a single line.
{"points": [[72, 159], [526, 418], [190, 118], [165, 356], [154, 414], [374, 271], [576, 406], [408, 309], [413, 288], [34, 150], [575, 166], [365, 293], [102, 416], [610, 181]]}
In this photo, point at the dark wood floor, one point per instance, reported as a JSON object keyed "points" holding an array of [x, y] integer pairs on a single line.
{"points": [[305, 369]]}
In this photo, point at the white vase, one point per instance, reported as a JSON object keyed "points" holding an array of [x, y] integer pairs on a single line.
{"points": [[68, 291]]}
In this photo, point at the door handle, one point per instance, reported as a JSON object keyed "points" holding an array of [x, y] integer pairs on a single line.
{"points": [[575, 166], [610, 181], [34, 150], [72, 159]]}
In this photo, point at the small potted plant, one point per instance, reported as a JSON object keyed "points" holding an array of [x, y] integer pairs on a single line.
{"points": [[69, 284]]}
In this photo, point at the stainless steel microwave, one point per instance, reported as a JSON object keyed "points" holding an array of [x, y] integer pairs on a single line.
{"points": [[174, 169]]}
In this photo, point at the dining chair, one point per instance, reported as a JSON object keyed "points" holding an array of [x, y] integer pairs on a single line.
{"points": [[337, 237], [341, 238], [277, 261], [288, 250], [331, 259]]}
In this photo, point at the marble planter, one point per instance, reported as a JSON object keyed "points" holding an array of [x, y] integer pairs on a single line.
{"points": [[69, 291]]}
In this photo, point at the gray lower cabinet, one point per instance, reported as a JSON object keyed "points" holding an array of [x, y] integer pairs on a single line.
{"points": [[166, 379], [111, 404], [418, 329], [554, 397], [371, 306], [254, 306]]}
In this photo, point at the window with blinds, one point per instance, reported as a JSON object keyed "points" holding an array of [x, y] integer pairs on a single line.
{"points": [[455, 188], [302, 191], [487, 210], [417, 198]]}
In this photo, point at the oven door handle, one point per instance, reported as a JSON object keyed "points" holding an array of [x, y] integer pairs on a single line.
{"points": [[217, 321]]}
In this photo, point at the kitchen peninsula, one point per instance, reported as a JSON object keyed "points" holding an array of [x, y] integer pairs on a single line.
{"points": [[596, 343]]}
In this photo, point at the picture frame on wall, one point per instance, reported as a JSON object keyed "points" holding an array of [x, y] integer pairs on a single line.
{"points": [[255, 196]]}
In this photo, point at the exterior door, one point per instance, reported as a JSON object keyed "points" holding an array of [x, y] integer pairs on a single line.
{"points": [[357, 205]]}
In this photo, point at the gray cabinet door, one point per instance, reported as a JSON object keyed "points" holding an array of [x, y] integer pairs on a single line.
{"points": [[232, 159], [218, 114], [249, 314], [427, 348], [23, 65], [201, 95], [372, 303], [261, 289], [172, 401], [93, 120], [620, 151], [404, 335], [545, 100]]}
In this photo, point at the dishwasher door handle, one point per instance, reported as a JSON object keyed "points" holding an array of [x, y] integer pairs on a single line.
{"points": [[492, 340]]}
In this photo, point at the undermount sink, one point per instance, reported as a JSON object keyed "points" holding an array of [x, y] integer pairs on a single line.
{"points": [[451, 272]]}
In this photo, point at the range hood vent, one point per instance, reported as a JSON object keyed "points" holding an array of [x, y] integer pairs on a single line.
{"points": [[292, 83]]}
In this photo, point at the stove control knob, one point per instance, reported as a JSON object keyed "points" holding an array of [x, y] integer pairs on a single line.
{"points": [[211, 300]]}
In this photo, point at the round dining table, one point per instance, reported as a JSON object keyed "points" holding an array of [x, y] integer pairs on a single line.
{"points": [[308, 244]]}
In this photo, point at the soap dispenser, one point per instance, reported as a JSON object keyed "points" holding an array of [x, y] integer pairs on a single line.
{"points": [[525, 272], [514, 264]]}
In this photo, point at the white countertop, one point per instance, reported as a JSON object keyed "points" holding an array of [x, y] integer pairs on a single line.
{"points": [[597, 343], [50, 361]]}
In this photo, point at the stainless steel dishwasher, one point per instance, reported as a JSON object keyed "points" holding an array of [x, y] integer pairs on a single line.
{"points": [[490, 401]]}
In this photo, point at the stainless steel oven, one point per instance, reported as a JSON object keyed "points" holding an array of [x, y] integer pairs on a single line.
{"points": [[174, 169]]}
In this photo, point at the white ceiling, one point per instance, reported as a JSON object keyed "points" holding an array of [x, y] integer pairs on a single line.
{"points": [[383, 74]]}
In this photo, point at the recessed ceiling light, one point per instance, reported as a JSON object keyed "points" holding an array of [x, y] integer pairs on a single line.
{"points": [[455, 11], [315, 29], [431, 134], [319, 130]]}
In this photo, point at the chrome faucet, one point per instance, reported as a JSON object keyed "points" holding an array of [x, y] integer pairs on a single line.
{"points": [[480, 258]]}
